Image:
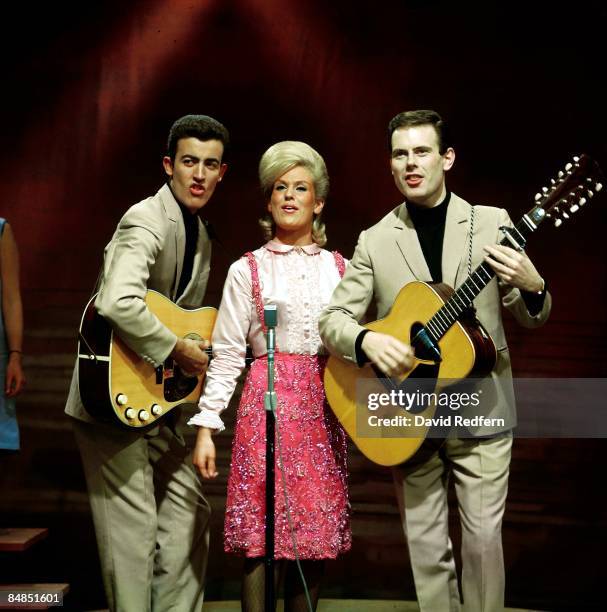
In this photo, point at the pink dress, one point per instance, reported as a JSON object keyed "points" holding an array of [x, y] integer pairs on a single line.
{"points": [[310, 441]]}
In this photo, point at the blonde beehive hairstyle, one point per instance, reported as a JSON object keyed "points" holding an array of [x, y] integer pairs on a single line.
{"points": [[282, 157]]}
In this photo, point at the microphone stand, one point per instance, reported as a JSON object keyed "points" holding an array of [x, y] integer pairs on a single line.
{"points": [[270, 320]]}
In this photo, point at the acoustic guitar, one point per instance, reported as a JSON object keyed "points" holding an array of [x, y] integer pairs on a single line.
{"points": [[119, 386], [439, 323]]}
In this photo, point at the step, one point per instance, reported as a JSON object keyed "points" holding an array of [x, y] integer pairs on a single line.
{"points": [[40, 596], [20, 538], [338, 605], [333, 605]]}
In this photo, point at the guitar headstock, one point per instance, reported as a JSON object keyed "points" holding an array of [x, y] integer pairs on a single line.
{"points": [[580, 180]]}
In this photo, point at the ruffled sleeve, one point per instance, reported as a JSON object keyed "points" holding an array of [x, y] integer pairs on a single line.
{"points": [[229, 342]]}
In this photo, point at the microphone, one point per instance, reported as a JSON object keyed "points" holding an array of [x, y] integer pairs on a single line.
{"points": [[270, 318]]}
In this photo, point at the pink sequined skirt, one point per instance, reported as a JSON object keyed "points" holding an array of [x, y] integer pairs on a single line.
{"points": [[314, 460]]}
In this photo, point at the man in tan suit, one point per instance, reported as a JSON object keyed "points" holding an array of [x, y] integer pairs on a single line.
{"points": [[435, 236], [151, 518]]}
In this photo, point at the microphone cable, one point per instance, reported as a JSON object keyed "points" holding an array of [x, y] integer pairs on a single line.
{"points": [[288, 512]]}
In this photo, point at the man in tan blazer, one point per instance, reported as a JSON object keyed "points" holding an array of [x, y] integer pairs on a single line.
{"points": [[435, 236], [151, 518]]}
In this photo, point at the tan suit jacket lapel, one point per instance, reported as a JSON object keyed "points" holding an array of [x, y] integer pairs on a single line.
{"points": [[409, 246], [455, 243], [193, 288], [174, 214]]}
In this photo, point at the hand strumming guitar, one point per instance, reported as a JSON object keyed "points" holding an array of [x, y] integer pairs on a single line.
{"points": [[190, 356], [389, 354]]}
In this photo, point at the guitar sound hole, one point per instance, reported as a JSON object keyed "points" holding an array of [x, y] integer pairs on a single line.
{"points": [[179, 385], [425, 348]]}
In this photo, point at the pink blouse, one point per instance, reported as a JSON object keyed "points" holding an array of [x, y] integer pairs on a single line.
{"points": [[299, 281]]}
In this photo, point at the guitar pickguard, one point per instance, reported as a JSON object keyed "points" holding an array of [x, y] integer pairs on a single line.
{"points": [[120, 386]]}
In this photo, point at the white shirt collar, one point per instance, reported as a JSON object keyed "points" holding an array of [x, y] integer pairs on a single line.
{"points": [[278, 247]]}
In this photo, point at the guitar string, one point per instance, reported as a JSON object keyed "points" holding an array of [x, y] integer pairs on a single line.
{"points": [[440, 322], [434, 329]]}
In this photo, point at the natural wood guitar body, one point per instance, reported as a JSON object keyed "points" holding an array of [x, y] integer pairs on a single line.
{"points": [[465, 348], [118, 385]]}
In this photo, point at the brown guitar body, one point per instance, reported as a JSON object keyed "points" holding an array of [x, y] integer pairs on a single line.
{"points": [[118, 385], [465, 349]]}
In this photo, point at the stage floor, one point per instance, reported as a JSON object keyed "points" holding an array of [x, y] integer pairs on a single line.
{"points": [[336, 605]]}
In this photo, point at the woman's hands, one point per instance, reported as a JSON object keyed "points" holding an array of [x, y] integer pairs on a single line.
{"points": [[203, 457]]}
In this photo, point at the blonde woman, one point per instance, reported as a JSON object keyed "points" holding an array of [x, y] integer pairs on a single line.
{"points": [[295, 273]]}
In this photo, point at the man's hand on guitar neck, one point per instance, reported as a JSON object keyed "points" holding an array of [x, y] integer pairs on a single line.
{"points": [[514, 268], [190, 356], [390, 355]]}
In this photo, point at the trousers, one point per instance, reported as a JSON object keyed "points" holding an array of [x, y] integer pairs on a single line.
{"points": [[150, 516], [479, 468]]}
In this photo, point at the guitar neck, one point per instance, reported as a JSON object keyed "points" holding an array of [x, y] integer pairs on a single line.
{"points": [[464, 296]]}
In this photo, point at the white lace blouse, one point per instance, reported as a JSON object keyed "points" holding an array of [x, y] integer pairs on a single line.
{"points": [[299, 281]]}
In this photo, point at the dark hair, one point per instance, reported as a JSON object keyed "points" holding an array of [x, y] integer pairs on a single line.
{"points": [[421, 117], [198, 126]]}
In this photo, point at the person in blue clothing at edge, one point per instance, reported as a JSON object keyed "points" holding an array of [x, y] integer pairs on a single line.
{"points": [[11, 339]]}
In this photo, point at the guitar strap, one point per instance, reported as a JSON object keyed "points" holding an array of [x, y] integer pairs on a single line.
{"points": [[470, 240]]}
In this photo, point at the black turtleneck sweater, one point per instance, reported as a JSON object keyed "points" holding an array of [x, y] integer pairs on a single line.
{"points": [[430, 227], [190, 221], [429, 224]]}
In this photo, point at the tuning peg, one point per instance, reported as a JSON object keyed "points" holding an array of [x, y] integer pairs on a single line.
{"points": [[558, 223], [545, 190], [553, 183], [576, 159], [561, 174], [574, 208], [590, 193], [598, 187], [538, 196], [583, 201], [568, 167], [565, 215]]}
